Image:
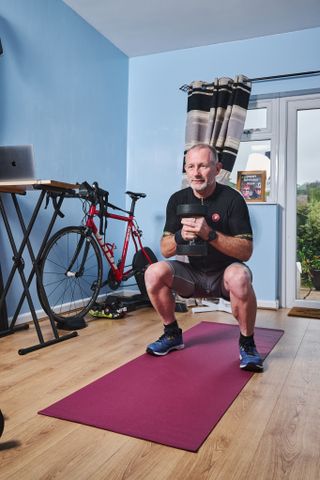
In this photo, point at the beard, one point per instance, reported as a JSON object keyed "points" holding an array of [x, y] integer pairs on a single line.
{"points": [[199, 185]]}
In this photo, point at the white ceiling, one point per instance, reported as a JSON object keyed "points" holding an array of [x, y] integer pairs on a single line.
{"points": [[142, 27]]}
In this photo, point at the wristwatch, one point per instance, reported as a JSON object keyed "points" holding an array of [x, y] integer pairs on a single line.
{"points": [[212, 235]]}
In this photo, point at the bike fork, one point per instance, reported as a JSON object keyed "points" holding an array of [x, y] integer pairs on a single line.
{"points": [[69, 272]]}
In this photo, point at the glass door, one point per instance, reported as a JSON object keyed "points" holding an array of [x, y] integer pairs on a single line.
{"points": [[303, 203]]}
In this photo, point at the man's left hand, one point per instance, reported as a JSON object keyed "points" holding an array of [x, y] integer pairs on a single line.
{"points": [[196, 226]]}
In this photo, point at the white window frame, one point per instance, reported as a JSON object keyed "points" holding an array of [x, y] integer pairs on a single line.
{"points": [[289, 106], [270, 133], [257, 104], [281, 131]]}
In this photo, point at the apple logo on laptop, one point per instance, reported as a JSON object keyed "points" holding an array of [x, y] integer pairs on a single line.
{"points": [[13, 164]]}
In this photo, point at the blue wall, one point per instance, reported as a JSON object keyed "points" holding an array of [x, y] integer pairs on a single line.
{"points": [[265, 260], [64, 89], [157, 108]]}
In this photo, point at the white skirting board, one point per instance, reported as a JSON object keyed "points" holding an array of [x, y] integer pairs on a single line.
{"points": [[27, 317], [271, 304], [211, 305], [221, 305]]}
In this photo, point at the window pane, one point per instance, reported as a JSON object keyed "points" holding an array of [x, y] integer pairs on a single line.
{"points": [[254, 155], [256, 118], [308, 205]]}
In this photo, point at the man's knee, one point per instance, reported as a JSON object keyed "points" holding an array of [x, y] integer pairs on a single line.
{"points": [[237, 280], [157, 275]]}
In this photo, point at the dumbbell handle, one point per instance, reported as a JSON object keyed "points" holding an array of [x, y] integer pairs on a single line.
{"points": [[195, 247]]}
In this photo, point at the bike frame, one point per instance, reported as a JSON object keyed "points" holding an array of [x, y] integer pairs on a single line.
{"points": [[132, 231]]}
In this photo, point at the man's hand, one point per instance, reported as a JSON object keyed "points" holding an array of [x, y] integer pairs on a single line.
{"points": [[194, 227]]}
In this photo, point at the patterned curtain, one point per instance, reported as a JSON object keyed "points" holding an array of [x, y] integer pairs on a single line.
{"points": [[216, 116]]}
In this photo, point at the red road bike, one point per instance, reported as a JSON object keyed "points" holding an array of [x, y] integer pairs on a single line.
{"points": [[71, 270]]}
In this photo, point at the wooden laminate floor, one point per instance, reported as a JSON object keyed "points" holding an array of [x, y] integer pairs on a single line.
{"points": [[271, 431]]}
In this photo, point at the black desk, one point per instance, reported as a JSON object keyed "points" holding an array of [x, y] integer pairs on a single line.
{"points": [[48, 190]]}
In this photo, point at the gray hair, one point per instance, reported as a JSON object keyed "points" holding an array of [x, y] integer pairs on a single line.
{"points": [[205, 146]]}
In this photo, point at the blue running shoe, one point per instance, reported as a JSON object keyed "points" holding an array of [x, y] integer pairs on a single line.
{"points": [[250, 359], [166, 343]]}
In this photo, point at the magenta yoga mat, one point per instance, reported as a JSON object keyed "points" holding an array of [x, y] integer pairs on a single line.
{"points": [[175, 400]]}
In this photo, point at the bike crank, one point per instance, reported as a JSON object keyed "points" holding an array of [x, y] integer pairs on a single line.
{"points": [[113, 283]]}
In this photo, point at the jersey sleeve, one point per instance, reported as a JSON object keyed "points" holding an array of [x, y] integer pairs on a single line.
{"points": [[239, 219], [173, 223]]}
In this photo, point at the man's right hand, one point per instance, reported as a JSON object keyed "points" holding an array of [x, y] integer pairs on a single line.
{"points": [[194, 227]]}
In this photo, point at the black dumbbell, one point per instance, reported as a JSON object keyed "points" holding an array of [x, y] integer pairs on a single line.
{"points": [[196, 247]]}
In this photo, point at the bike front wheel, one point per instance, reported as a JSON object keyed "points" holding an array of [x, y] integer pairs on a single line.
{"points": [[70, 274]]}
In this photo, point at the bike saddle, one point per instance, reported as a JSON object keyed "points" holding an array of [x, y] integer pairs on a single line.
{"points": [[134, 195]]}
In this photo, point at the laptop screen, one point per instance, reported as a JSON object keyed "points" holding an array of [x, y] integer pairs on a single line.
{"points": [[16, 163]]}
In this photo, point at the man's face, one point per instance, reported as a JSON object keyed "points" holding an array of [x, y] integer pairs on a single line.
{"points": [[201, 171]]}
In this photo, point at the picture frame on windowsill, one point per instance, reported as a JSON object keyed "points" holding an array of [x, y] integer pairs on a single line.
{"points": [[252, 185]]}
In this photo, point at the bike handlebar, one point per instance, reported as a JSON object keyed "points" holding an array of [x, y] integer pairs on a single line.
{"points": [[93, 192], [96, 195]]}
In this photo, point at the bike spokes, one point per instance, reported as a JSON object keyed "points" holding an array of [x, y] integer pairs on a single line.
{"points": [[71, 273]]}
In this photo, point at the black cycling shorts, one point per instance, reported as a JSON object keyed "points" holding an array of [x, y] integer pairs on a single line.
{"points": [[188, 282]]}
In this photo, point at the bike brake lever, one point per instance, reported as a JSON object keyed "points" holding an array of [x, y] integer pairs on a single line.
{"points": [[101, 196], [100, 191], [85, 190]]}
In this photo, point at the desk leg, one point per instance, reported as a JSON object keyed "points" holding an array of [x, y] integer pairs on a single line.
{"points": [[19, 265], [18, 260], [3, 308], [35, 260], [23, 351], [4, 324]]}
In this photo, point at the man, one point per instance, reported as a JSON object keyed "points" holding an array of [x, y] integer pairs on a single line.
{"points": [[221, 273]]}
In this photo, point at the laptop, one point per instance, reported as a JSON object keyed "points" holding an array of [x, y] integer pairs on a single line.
{"points": [[16, 163]]}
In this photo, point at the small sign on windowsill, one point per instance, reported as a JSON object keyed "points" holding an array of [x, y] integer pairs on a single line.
{"points": [[252, 185]]}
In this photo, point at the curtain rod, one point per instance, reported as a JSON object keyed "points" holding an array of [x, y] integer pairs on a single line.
{"points": [[187, 88]]}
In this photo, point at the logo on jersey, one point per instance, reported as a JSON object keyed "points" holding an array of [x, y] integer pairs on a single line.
{"points": [[215, 217]]}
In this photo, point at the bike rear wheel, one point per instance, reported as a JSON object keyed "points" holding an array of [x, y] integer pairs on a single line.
{"points": [[140, 264], [70, 274]]}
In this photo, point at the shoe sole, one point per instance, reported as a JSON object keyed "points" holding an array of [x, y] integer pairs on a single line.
{"points": [[252, 367], [161, 354]]}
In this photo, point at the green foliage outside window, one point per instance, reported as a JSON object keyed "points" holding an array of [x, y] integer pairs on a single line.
{"points": [[308, 231]]}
